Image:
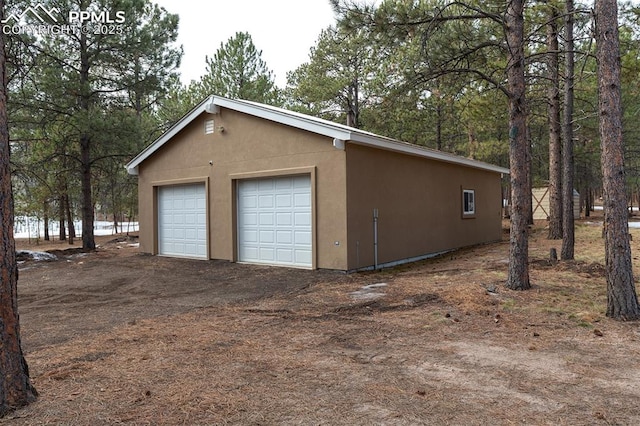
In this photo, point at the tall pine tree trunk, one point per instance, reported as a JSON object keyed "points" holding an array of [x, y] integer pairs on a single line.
{"points": [[622, 301], [45, 219], [568, 234], [72, 227], [88, 240], [518, 278], [15, 387], [555, 147], [63, 231]]}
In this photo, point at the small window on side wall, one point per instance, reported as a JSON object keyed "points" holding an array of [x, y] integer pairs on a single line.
{"points": [[468, 202]]}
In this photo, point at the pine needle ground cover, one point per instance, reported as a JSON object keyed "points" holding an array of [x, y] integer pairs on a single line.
{"points": [[116, 337]]}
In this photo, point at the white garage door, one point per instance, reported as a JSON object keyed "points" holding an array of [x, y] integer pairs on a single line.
{"points": [[274, 221], [182, 220]]}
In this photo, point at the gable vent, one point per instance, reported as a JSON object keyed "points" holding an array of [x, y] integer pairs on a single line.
{"points": [[209, 127]]}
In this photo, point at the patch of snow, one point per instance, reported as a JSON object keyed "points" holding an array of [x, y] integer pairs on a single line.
{"points": [[37, 255], [367, 292], [136, 245], [372, 286], [632, 225], [366, 296], [600, 208], [32, 227]]}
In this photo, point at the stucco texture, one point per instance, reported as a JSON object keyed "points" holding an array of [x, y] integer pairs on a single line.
{"points": [[419, 203], [247, 148], [419, 200]]}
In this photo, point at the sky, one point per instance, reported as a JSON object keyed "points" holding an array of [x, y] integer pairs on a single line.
{"points": [[284, 30]]}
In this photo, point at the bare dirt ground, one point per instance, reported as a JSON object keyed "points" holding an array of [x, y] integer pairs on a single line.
{"points": [[116, 337]]}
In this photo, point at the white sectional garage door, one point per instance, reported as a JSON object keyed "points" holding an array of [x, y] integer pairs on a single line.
{"points": [[182, 220], [274, 221]]}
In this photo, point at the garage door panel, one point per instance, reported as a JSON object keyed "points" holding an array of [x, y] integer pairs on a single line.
{"points": [[190, 249], [267, 254], [264, 185], [191, 204], [302, 238], [283, 201], [284, 237], [284, 184], [303, 257], [282, 207], [249, 218], [267, 237], [249, 252], [286, 255], [284, 219], [248, 200], [302, 200], [249, 236], [265, 201], [302, 219], [301, 181], [250, 186], [266, 218], [182, 220]]}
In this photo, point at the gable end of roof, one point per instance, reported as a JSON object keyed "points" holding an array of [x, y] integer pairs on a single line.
{"points": [[301, 121]]}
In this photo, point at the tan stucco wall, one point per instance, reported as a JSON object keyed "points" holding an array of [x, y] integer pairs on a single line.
{"points": [[419, 204], [248, 147]]}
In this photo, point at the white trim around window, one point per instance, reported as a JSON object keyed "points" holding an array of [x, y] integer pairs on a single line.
{"points": [[468, 202]]}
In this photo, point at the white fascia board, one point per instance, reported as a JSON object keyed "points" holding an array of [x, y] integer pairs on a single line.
{"points": [[132, 166], [288, 118], [419, 151]]}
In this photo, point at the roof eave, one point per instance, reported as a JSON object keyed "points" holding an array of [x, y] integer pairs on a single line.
{"points": [[270, 114], [322, 127], [417, 150], [204, 106]]}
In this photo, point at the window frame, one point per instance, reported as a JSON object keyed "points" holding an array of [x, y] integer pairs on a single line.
{"points": [[466, 203]]}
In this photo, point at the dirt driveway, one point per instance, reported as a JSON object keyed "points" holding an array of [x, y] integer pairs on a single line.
{"points": [[114, 337], [82, 293]]}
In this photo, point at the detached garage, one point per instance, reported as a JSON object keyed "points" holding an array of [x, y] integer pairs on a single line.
{"points": [[247, 182]]}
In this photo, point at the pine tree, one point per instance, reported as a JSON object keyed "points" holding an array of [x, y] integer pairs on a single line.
{"points": [[622, 300], [86, 81], [15, 387], [237, 71]]}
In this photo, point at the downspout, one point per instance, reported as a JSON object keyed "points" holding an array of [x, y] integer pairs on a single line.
{"points": [[375, 239]]}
